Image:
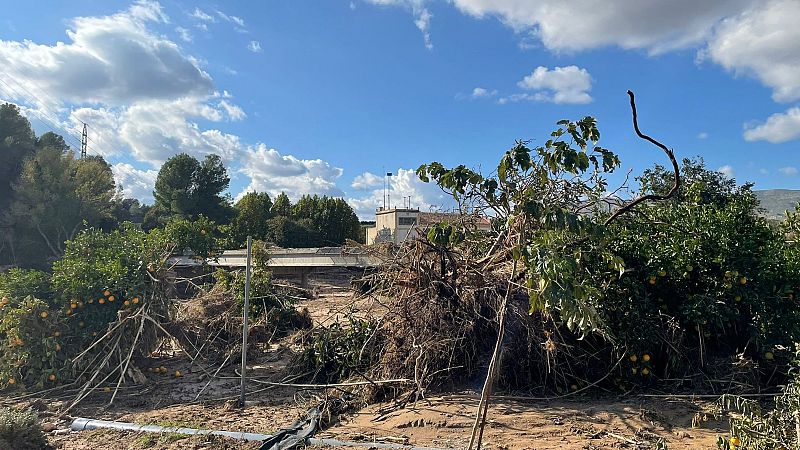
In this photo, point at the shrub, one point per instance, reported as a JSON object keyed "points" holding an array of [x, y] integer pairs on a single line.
{"points": [[33, 346], [755, 429], [700, 277], [20, 283], [20, 430], [339, 351], [101, 274], [195, 237]]}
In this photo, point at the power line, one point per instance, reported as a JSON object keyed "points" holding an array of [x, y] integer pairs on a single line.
{"points": [[42, 119], [108, 144]]}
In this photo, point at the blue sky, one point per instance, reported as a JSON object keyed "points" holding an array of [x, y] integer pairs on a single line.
{"points": [[324, 96]]}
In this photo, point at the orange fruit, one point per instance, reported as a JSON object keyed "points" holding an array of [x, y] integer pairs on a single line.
{"points": [[135, 300], [735, 442], [573, 387], [11, 381], [652, 280], [43, 314], [126, 303], [58, 347], [743, 280], [57, 334], [633, 358], [106, 389], [111, 298], [90, 301], [645, 372], [101, 301], [73, 305], [645, 357], [106, 293], [52, 377], [178, 374], [69, 312]]}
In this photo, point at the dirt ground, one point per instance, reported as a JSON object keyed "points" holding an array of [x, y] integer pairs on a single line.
{"points": [[444, 421]]}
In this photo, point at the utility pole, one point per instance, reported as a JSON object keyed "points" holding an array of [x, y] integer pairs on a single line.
{"points": [[84, 141], [245, 325]]}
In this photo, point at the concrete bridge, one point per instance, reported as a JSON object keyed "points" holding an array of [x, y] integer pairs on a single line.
{"points": [[299, 262]]}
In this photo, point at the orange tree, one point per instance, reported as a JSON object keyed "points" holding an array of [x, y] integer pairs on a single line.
{"points": [[32, 353], [705, 274], [101, 274]]}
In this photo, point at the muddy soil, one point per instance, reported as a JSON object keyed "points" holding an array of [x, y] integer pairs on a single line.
{"points": [[444, 421]]}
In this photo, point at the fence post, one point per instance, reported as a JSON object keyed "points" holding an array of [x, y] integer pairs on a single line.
{"points": [[245, 313]]}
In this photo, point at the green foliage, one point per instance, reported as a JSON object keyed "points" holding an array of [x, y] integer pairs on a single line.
{"points": [[31, 352], [100, 272], [702, 276], [753, 428], [20, 430], [17, 142], [55, 197], [20, 283], [339, 351], [445, 235], [188, 188], [285, 232], [253, 211], [547, 200], [196, 237], [282, 205], [333, 219]]}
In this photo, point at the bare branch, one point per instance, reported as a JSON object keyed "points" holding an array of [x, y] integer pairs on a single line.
{"points": [[670, 155]]}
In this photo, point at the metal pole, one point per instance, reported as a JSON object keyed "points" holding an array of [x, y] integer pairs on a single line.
{"points": [[245, 312]]}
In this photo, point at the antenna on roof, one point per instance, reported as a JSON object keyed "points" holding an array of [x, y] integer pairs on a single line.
{"points": [[389, 191]]}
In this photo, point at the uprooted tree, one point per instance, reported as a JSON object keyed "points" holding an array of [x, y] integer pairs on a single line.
{"points": [[580, 287]]}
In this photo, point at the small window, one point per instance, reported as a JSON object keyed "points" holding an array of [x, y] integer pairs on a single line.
{"points": [[407, 221]]}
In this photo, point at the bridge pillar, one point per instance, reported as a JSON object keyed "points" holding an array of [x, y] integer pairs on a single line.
{"points": [[304, 277]]}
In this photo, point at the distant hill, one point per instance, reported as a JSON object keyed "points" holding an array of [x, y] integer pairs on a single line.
{"points": [[776, 201]]}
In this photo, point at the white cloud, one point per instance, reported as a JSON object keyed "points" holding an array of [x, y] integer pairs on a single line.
{"points": [[232, 19], [762, 42], [234, 112], [145, 100], [423, 23], [422, 15], [254, 46], [763, 171], [788, 170], [367, 180], [271, 172], [480, 92], [779, 127], [653, 25], [199, 14], [702, 135], [110, 59], [726, 170], [404, 183], [135, 183], [569, 84], [184, 34]]}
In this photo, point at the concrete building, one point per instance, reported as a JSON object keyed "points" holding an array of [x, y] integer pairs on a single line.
{"points": [[398, 224]]}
